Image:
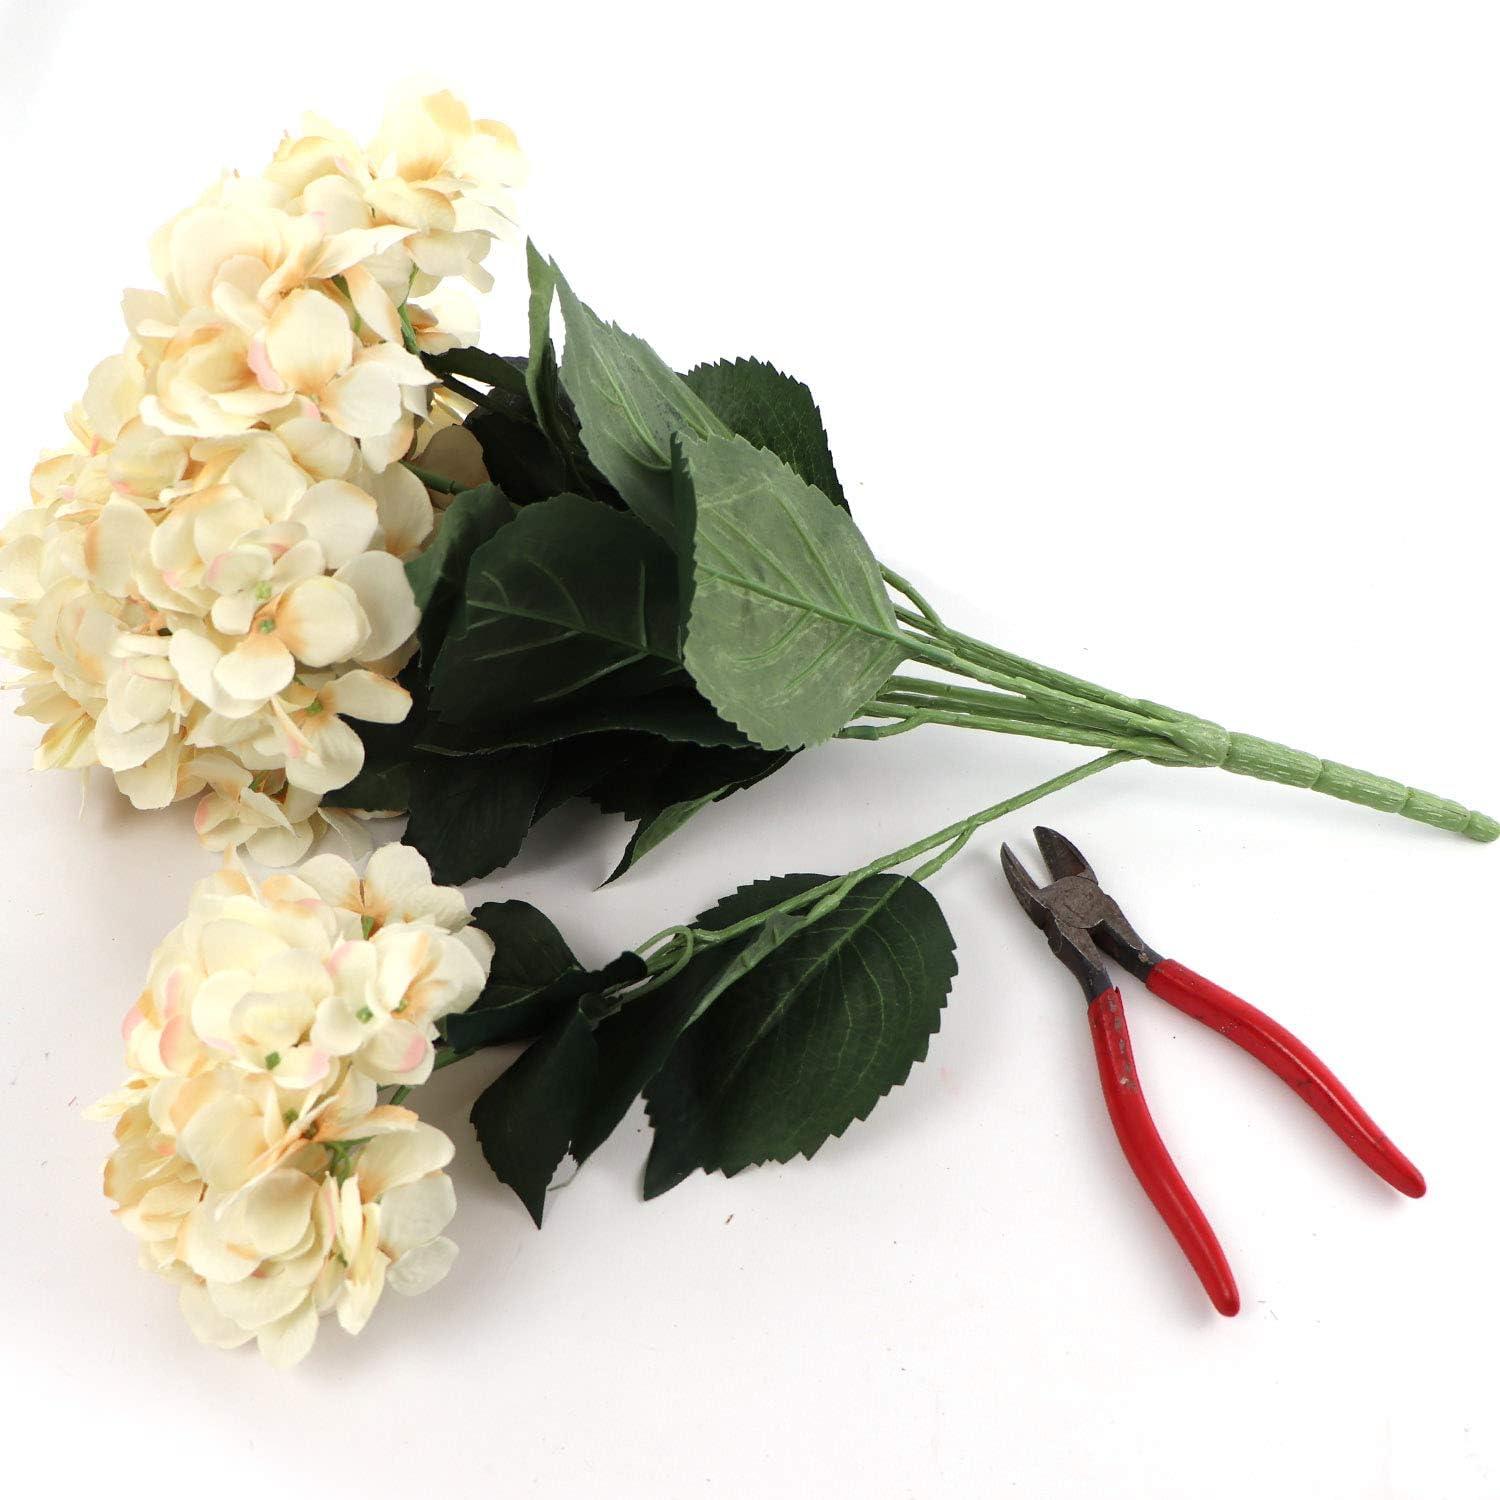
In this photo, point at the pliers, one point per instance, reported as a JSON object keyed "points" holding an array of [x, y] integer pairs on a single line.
{"points": [[1082, 924]]}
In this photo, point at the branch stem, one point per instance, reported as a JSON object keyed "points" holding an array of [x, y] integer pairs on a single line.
{"points": [[434, 481]]}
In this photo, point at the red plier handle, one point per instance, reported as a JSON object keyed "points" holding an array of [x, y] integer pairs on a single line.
{"points": [[1083, 924], [1148, 1155], [1292, 1061]]}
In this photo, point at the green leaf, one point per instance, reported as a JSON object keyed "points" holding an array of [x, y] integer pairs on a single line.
{"points": [[677, 714], [384, 781], [656, 828], [570, 602], [815, 1034], [790, 630], [542, 384], [577, 764], [382, 786], [772, 411], [530, 953], [633, 1043], [527, 1017], [518, 455], [505, 376], [471, 814], [649, 774], [526, 1117], [629, 403], [673, 803], [437, 574]]}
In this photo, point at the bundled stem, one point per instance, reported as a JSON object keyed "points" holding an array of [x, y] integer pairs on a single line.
{"points": [[1017, 696]]}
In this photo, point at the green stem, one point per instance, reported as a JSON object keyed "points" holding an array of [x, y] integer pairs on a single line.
{"points": [[1067, 706], [981, 653], [1246, 755], [434, 481], [1020, 697], [408, 333], [914, 716], [956, 835], [665, 962], [929, 614]]}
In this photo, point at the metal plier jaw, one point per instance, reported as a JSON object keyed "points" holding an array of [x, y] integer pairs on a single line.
{"points": [[1082, 922]]}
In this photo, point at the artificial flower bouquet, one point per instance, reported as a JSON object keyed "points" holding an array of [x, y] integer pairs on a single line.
{"points": [[314, 556]]}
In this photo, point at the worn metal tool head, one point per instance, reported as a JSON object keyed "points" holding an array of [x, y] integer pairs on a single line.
{"points": [[1081, 922]]}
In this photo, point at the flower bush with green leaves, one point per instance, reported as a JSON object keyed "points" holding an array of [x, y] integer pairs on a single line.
{"points": [[660, 598]]}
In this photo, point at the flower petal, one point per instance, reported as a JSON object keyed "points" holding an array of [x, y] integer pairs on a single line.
{"points": [[113, 545], [287, 1341], [380, 583], [255, 669], [416, 1212], [259, 1301], [207, 1323], [400, 882], [309, 340], [368, 696], [335, 881], [421, 1268], [321, 620], [318, 446], [340, 517], [389, 1161], [275, 1212], [373, 303], [365, 401], [278, 848], [335, 756]]}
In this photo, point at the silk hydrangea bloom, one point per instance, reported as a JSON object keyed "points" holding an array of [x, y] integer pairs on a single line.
{"points": [[254, 1161], [210, 581]]}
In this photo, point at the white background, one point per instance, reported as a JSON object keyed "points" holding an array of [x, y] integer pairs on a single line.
{"points": [[1160, 342]]}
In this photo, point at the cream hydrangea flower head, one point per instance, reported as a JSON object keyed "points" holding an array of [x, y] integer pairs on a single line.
{"points": [[210, 579], [254, 1160]]}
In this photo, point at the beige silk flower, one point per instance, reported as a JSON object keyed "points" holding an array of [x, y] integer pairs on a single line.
{"points": [[209, 582], [253, 1161]]}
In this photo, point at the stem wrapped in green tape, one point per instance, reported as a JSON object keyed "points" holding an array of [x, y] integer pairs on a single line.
{"points": [[1016, 696]]}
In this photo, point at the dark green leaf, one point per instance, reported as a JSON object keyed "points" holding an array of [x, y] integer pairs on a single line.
{"points": [[530, 953], [650, 774], [530, 1015], [437, 574], [772, 411], [571, 600], [471, 814], [519, 456], [629, 404], [633, 1043], [826, 1023], [526, 1118], [579, 764], [507, 377], [542, 383], [790, 629], [379, 787], [676, 713], [670, 809], [384, 781]]}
